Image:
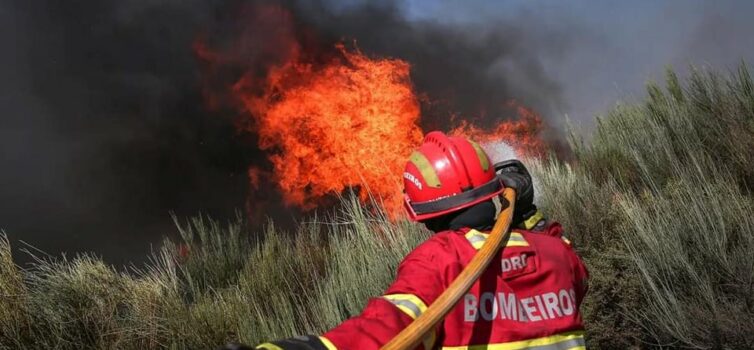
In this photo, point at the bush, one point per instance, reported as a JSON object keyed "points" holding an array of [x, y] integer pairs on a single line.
{"points": [[679, 167]]}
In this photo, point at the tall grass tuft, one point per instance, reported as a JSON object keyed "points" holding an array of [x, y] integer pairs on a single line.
{"points": [[14, 313], [696, 264]]}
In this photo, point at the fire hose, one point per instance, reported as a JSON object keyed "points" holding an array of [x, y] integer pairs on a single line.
{"points": [[412, 335]]}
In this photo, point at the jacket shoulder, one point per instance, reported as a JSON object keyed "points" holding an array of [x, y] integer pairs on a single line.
{"points": [[438, 247], [551, 233], [423, 273]]}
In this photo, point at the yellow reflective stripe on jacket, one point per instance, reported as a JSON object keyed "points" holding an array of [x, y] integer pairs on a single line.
{"points": [[477, 239], [532, 221], [327, 343], [268, 346], [412, 306], [564, 341], [517, 240], [408, 303]]}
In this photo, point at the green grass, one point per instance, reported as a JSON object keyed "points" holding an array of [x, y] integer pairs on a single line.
{"points": [[657, 200]]}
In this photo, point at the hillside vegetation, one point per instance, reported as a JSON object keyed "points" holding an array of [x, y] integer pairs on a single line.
{"points": [[657, 201]]}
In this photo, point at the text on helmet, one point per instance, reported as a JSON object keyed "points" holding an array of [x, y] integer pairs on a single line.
{"points": [[408, 176]]}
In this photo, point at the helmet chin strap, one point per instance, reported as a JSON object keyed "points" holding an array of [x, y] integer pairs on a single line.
{"points": [[498, 205], [533, 215]]}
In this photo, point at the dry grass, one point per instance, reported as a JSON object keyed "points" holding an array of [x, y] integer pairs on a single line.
{"points": [[658, 203]]}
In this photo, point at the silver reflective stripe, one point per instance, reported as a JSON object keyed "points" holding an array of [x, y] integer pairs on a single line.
{"points": [[563, 345], [540, 226], [405, 303], [476, 238], [516, 238]]}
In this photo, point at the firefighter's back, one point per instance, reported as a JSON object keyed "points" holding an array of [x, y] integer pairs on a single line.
{"points": [[529, 297]]}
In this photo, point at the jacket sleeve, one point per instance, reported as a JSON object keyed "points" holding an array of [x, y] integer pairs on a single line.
{"points": [[581, 276], [418, 283], [580, 272]]}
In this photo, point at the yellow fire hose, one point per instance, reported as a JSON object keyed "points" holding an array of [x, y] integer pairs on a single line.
{"points": [[412, 335]]}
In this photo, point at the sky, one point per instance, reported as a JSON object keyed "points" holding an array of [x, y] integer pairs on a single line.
{"points": [[617, 46]]}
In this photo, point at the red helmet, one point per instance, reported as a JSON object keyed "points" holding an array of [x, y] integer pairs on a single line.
{"points": [[447, 174]]}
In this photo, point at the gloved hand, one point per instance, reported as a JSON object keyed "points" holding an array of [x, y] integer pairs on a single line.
{"points": [[234, 346], [304, 342], [513, 173]]}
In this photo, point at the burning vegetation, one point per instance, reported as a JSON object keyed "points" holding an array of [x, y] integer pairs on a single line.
{"points": [[349, 123], [332, 118]]}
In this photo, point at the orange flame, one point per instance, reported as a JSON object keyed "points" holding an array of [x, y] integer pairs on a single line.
{"points": [[350, 123], [522, 134]]}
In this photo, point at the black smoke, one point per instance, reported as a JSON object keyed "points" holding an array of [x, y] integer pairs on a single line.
{"points": [[461, 71], [105, 125], [468, 71], [105, 129]]}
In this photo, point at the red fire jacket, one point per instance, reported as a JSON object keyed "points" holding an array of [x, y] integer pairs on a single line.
{"points": [[528, 297]]}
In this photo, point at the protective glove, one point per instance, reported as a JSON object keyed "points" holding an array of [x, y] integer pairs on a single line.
{"points": [[233, 346], [513, 173], [304, 342]]}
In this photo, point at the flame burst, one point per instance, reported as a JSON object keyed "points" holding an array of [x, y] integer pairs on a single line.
{"points": [[522, 133], [348, 124]]}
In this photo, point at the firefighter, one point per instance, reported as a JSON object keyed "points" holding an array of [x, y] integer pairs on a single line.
{"points": [[529, 296]]}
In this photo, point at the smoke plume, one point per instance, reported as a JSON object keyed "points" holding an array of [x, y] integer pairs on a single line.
{"points": [[107, 123]]}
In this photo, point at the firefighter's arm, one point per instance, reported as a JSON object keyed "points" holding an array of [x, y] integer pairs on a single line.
{"points": [[418, 283], [582, 275], [580, 272], [375, 326], [305, 342]]}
